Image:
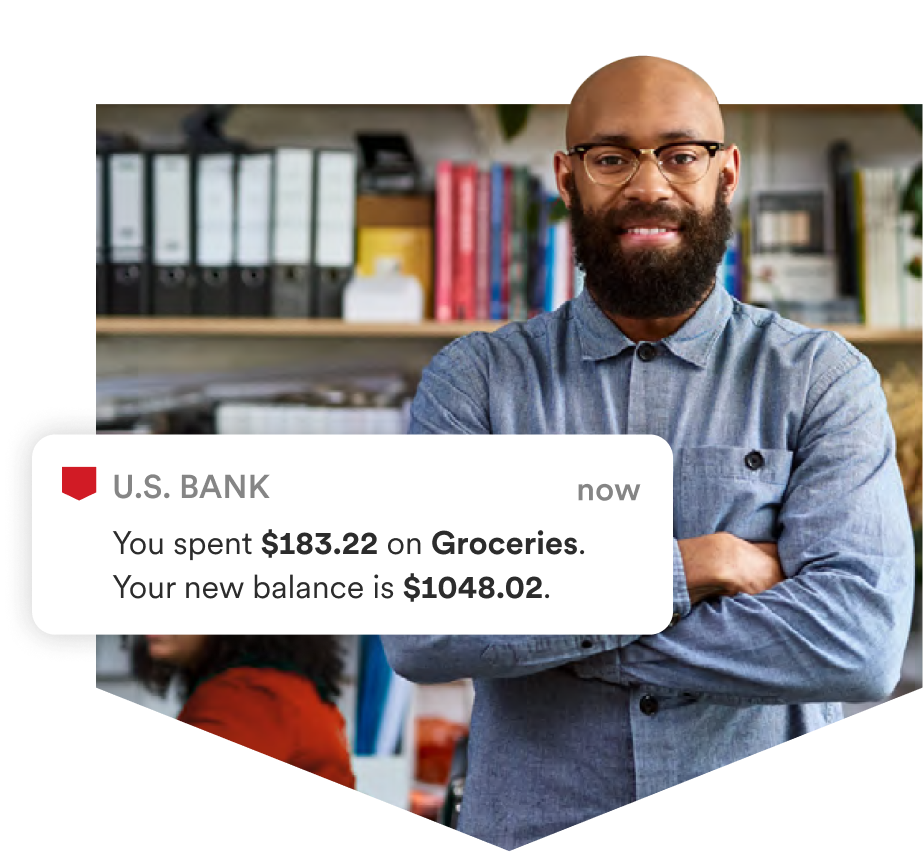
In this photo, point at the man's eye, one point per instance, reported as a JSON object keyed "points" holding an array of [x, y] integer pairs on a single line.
{"points": [[612, 160], [682, 158]]}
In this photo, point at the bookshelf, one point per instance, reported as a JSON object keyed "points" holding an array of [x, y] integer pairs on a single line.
{"points": [[124, 326]]}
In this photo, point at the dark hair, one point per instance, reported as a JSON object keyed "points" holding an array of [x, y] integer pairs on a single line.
{"points": [[318, 658]]}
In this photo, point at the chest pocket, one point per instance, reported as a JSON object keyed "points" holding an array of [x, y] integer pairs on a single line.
{"points": [[730, 489]]}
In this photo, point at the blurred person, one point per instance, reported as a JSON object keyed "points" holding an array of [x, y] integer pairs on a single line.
{"points": [[274, 694], [792, 548]]}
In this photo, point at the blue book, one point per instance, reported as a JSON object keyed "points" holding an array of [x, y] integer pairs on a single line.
{"points": [[374, 681], [550, 240], [497, 311]]}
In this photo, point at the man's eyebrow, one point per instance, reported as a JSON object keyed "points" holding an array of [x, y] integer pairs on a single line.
{"points": [[625, 141]]}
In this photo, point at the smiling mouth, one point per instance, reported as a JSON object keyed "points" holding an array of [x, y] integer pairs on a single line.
{"points": [[648, 231]]}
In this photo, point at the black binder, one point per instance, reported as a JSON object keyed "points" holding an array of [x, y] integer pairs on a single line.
{"points": [[214, 232], [292, 235], [129, 291], [335, 229], [845, 226], [171, 234], [102, 234], [250, 282]]}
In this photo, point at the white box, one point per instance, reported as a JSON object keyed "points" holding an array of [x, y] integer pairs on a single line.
{"points": [[792, 278]]}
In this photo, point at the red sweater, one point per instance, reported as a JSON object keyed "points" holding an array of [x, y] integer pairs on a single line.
{"points": [[276, 713]]}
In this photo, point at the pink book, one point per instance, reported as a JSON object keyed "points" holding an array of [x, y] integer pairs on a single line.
{"points": [[465, 234], [445, 216]]}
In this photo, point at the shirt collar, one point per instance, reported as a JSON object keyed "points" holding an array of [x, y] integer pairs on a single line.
{"points": [[601, 338]]}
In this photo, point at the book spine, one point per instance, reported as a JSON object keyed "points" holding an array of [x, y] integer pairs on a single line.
{"points": [[861, 247], [465, 176], [551, 236], [519, 246], [496, 241], [482, 247], [444, 247], [506, 243]]}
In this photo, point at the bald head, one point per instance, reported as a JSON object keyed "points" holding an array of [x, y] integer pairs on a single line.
{"points": [[644, 96]]}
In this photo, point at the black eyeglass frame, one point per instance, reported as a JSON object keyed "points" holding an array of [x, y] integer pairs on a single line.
{"points": [[711, 147]]}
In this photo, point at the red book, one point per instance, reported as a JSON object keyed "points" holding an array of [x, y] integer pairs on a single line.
{"points": [[466, 177], [445, 227], [482, 248]]}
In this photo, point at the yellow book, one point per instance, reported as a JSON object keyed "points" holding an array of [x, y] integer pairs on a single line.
{"points": [[412, 246]]}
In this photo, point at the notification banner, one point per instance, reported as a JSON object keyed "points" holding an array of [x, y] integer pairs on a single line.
{"points": [[352, 534]]}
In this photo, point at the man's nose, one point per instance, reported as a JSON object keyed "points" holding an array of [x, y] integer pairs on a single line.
{"points": [[648, 183]]}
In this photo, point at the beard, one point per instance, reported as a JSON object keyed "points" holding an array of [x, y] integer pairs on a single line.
{"points": [[649, 283]]}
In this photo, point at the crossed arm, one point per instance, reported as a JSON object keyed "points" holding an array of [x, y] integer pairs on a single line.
{"points": [[821, 615]]}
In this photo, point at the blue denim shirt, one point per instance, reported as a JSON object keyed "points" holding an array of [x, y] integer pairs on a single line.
{"points": [[565, 728]]}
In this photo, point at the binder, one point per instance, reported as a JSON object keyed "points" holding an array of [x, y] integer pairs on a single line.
{"points": [[292, 236], [250, 275], [102, 234], [129, 291], [335, 230], [214, 232], [171, 234]]}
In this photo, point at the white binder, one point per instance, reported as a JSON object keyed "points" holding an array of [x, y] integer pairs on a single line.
{"points": [[292, 239]]}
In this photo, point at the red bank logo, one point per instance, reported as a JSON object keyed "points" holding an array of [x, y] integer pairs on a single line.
{"points": [[78, 482]]}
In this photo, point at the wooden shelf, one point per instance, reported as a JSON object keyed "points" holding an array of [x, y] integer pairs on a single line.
{"points": [[125, 326], [279, 327]]}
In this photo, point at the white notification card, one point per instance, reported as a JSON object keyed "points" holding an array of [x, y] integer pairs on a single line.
{"points": [[352, 534]]}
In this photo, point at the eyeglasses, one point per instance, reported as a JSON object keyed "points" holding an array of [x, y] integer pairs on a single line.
{"points": [[679, 162]]}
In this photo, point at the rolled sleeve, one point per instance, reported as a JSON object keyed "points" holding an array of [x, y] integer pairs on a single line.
{"points": [[835, 630], [440, 659]]}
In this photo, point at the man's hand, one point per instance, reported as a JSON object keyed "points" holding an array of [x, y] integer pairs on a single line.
{"points": [[722, 564]]}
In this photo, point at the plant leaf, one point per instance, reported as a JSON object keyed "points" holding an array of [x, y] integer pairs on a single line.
{"points": [[558, 211], [913, 113], [911, 199], [915, 268], [513, 118]]}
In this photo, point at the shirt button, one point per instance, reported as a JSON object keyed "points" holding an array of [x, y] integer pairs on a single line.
{"points": [[675, 619], [586, 643], [754, 460], [647, 352], [648, 705]]}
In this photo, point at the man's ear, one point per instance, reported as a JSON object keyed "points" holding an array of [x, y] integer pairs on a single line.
{"points": [[561, 170], [731, 171]]}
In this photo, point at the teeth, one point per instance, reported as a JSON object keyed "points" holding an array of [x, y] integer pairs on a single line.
{"points": [[648, 231]]}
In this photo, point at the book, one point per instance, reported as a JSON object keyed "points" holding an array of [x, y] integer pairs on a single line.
{"points": [[445, 227], [518, 258], [465, 263], [483, 247], [878, 247], [497, 211]]}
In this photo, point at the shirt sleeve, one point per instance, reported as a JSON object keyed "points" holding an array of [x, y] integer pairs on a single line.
{"points": [[242, 710], [453, 399], [836, 628]]}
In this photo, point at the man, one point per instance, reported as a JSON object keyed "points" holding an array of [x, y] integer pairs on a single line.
{"points": [[792, 554]]}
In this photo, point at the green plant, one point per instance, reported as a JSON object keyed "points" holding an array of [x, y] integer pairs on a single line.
{"points": [[912, 199], [513, 119]]}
